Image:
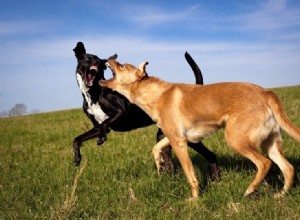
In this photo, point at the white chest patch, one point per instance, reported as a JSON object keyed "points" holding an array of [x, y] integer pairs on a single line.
{"points": [[94, 109]]}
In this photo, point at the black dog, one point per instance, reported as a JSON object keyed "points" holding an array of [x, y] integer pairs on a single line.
{"points": [[108, 109]]}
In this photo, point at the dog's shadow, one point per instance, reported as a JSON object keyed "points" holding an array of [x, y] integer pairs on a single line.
{"points": [[241, 165]]}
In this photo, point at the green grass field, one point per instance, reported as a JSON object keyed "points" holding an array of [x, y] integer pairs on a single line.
{"points": [[118, 180]]}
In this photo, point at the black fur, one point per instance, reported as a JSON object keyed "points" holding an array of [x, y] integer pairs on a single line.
{"points": [[121, 115]]}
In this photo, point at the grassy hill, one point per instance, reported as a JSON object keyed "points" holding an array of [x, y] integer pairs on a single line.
{"points": [[119, 181]]}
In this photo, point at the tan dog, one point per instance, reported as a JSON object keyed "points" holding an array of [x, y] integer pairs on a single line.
{"points": [[251, 115]]}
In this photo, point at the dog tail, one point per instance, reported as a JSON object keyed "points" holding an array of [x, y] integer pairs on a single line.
{"points": [[195, 68], [284, 122]]}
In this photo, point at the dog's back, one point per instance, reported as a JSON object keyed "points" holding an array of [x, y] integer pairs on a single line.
{"points": [[220, 98]]}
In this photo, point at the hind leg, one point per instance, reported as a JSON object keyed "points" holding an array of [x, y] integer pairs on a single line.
{"points": [[272, 146], [214, 172], [241, 143]]}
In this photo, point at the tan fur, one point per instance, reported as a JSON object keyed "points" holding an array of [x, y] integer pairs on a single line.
{"points": [[251, 116]]}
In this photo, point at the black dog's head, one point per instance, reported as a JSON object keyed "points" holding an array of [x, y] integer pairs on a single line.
{"points": [[90, 67]]}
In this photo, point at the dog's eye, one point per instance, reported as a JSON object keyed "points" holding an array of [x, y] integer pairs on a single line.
{"points": [[123, 66]]}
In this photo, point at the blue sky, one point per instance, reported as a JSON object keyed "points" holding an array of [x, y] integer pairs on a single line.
{"points": [[253, 41]]}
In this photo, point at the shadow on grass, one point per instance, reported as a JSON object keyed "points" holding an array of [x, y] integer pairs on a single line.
{"points": [[240, 165]]}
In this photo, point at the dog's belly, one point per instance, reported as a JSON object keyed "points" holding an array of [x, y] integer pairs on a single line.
{"points": [[195, 135]]}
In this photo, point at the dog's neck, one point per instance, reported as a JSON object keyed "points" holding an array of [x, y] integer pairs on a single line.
{"points": [[93, 106], [144, 93], [83, 88]]}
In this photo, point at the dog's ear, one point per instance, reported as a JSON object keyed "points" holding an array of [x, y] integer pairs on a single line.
{"points": [[79, 50], [142, 70], [113, 57]]}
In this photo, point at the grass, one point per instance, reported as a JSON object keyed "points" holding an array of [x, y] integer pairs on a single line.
{"points": [[119, 181]]}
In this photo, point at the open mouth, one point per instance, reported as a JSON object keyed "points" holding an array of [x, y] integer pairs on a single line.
{"points": [[108, 82], [90, 76], [89, 79], [110, 67]]}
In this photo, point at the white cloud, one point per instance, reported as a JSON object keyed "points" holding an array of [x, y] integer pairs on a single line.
{"points": [[269, 15], [146, 15]]}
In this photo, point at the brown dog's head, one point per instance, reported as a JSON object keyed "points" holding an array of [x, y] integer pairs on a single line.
{"points": [[123, 74]]}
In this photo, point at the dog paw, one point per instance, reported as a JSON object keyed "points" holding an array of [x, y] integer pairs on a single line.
{"points": [[101, 140], [77, 160], [166, 165], [214, 173], [192, 199], [168, 168], [77, 163], [253, 195], [279, 195]]}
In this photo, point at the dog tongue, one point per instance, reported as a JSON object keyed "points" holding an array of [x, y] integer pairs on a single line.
{"points": [[89, 79]]}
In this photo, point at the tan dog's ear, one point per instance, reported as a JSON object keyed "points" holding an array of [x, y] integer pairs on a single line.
{"points": [[142, 70]]}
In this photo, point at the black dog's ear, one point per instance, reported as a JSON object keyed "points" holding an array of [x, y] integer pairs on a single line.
{"points": [[79, 50]]}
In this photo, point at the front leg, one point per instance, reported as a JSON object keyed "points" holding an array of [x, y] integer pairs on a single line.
{"points": [[104, 127], [78, 141], [157, 152], [102, 137], [115, 107]]}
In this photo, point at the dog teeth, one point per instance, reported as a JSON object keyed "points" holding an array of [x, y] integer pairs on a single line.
{"points": [[107, 65]]}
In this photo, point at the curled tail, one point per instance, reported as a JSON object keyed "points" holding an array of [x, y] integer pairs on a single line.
{"points": [[284, 122], [195, 68]]}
